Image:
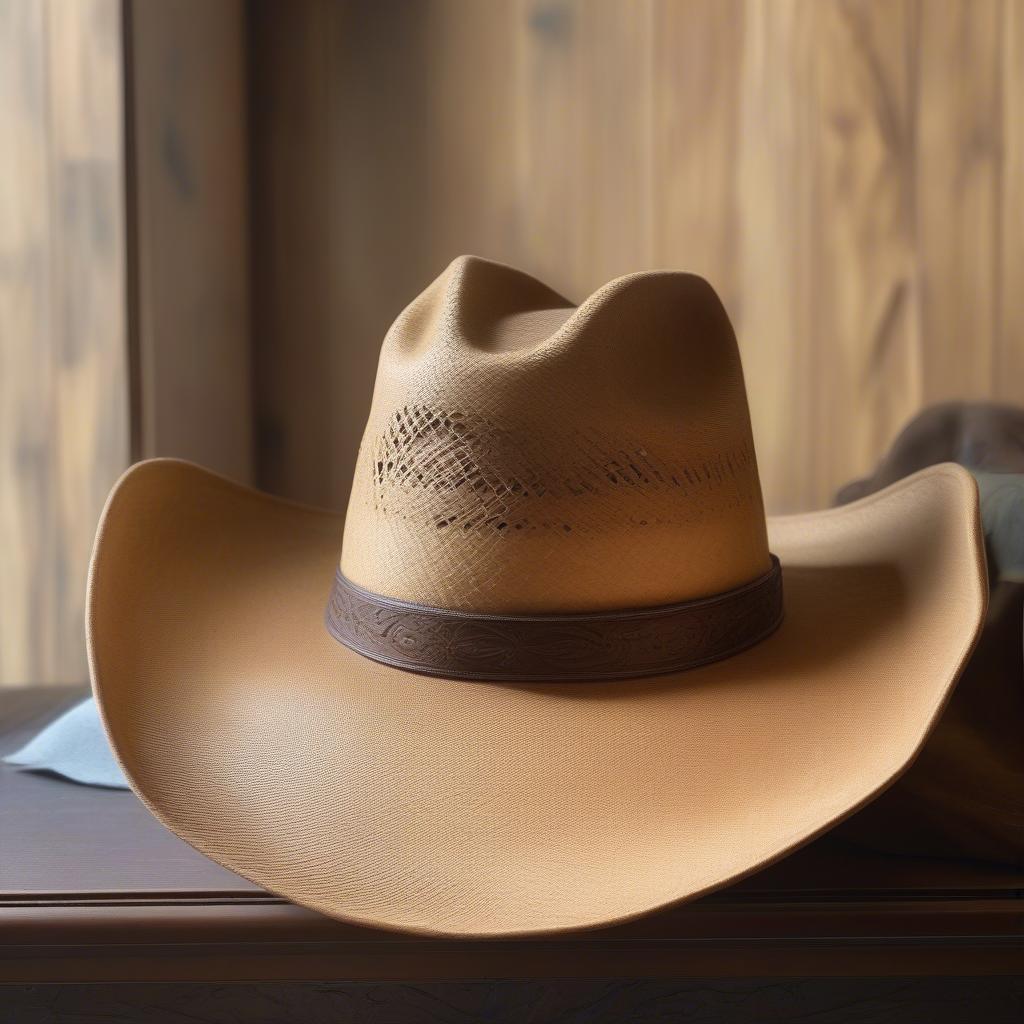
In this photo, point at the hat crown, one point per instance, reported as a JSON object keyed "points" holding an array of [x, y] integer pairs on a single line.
{"points": [[523, 455]]}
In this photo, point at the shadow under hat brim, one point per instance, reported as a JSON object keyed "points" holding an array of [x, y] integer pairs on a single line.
{"points": [[480, 809]]}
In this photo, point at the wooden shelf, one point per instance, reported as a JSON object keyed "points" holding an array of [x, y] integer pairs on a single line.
{"points": [[93, 889]]}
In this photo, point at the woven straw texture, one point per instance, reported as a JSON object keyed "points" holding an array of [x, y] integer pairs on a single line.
{"points": [[522, 455]]}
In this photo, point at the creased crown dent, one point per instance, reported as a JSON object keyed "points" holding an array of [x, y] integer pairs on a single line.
{"points": [[526, 455]]}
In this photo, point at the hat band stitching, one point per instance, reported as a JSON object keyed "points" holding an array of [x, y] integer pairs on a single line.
{"points": [[593, 646]]}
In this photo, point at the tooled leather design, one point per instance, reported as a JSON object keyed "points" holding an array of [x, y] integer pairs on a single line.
{"points": [[555, 648]]}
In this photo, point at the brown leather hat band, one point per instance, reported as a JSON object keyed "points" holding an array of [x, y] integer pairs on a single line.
{"points": [[555, 648]]}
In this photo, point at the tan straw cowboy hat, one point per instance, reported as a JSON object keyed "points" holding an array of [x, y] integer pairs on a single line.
{"points": [[559, 679]]}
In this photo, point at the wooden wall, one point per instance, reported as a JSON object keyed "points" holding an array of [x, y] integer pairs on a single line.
{"points": [[63, 356], [849, 175], [215, 281], [188, 232], [124, 276]]}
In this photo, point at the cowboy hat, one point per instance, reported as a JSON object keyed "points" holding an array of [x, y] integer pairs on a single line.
{"points": [[558, 678]]}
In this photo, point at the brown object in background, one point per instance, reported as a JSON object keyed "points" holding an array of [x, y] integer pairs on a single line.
{"points": [[964, 796]]}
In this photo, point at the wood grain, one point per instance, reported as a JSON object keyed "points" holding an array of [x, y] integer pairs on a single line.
{"points": [[958, 172], [720, 1001], [584, 131], [776, 187], [862, 358], [63, 364], [292, 262], [68, 365], [1009, 363], [848, 173], [189, 222]]}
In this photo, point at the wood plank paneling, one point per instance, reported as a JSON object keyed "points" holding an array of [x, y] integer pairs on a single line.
{"points": [[63, 363], [29, 562], [189, 222], [1009, 364], [776, 193], [847, 173], [294, 267], [697, 51], [958, 165], [584, 133], [862, 371], [65, 370]]}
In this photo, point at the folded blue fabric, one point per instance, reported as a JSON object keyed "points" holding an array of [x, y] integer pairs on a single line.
{"points": [[74, 747]]}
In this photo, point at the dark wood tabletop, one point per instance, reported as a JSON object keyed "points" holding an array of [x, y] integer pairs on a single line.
{"points": [[92, 889]]}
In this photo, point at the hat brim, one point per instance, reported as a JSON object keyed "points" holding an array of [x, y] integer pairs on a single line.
{"points": [[449, 807]]}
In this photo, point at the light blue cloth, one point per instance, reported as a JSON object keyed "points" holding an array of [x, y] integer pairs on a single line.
{"points": [[75, 747]]}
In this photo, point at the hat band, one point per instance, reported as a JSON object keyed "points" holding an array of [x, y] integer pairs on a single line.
{"points": [[555, 648]]}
